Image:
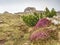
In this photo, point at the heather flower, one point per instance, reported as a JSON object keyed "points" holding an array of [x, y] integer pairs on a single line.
{"points": [[39, 34], [44, 34], [42, 23]]}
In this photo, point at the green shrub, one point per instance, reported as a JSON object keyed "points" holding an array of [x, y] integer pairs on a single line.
{"points": [[30, 20], [49, 13]]}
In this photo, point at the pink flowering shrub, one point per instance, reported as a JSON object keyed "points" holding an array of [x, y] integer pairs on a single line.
{"points": [[42, 35], [42, 23]]}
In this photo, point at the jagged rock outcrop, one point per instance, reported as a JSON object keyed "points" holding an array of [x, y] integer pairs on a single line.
{"points": [[30, 9]]}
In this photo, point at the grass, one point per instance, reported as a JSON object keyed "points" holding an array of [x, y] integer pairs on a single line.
{"points": [[14, 31]]}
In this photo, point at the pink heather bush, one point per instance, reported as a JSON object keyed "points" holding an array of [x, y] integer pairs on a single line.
{"points": [[42, 35], [42, 23]]}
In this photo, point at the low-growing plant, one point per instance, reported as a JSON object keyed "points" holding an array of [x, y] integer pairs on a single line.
{"points": [[42, 23], [44, 34], [39, 35], [49, 13], [30, 20]]}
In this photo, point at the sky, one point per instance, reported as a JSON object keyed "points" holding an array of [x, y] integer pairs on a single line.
{"points": [[14, 6]]}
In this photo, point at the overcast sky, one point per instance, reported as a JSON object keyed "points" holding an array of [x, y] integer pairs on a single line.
{"points": [[19, 5]]}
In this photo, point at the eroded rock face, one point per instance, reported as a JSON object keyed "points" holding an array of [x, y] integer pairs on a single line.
{"points": [[30, 9]]}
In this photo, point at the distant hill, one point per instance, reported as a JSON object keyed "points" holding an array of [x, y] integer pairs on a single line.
{"points": [[29, 10]]}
